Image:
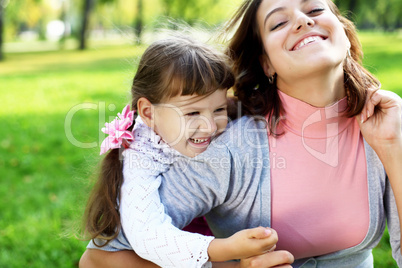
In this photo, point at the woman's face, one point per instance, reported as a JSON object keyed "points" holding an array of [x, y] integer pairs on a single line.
{"points": [[300, 37]]}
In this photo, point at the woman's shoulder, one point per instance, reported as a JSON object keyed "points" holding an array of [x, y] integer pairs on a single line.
{"points": [[246, 135], [247, 131]]}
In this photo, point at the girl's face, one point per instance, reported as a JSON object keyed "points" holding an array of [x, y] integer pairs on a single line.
{"points": [[188, 123], [300, 37]]}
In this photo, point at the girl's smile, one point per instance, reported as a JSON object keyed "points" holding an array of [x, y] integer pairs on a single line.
{"points": [[189, 123]]}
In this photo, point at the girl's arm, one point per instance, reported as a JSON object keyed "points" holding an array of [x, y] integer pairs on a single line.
{"points": [[380, 124], [148, 229]]}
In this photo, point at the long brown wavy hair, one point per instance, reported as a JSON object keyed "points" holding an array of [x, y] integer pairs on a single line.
{"points": [[257, 95], [170, 67]]}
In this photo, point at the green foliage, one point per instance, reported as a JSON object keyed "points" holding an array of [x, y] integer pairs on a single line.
{"points": [[112, 15], [383, 57], [386, 15], [45, 179]]}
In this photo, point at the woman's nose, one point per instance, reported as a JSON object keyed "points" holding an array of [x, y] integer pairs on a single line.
{"points": [[303, 21]]}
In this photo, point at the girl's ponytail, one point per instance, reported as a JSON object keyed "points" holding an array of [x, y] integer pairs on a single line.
{"points": [[102, 211], [102, 217]]}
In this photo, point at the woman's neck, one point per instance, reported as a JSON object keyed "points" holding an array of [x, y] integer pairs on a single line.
{"points": [[319, 90]]}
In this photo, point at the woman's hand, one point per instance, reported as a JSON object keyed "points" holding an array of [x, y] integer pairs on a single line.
{"points": [[380, 120], [272, 259], [277, 259], [380, 124]]}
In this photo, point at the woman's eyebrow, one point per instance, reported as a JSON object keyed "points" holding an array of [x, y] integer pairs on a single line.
{"points": [[279, 9], [272, 12]]}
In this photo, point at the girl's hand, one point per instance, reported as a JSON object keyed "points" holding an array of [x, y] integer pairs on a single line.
{"points": [[252, 242], [380, 120], [243, 244]]}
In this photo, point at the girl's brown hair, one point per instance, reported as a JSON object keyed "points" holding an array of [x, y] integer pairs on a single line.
{"points": [[170, 67], [257, 95]]}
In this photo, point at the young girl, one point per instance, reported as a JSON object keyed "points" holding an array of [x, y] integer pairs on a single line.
{"points": [[179, 93]]}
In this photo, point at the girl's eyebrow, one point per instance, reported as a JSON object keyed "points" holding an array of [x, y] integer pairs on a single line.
{"points": [[189, 107], [278, 9]]}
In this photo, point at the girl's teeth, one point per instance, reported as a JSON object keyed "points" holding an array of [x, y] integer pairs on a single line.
{"points": [[199, 140]]}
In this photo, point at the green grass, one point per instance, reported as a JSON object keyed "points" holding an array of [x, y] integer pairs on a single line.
{"points": [[45, 177]]}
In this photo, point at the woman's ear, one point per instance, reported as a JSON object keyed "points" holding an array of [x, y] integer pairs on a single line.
{"points": [[145, 109], [266, 65]]}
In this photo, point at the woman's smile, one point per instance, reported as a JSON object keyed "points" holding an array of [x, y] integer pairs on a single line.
{"points": [[307, 41]]}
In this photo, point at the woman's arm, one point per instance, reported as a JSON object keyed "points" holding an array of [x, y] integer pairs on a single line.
{"points": [[94, 258], [381, 126]]}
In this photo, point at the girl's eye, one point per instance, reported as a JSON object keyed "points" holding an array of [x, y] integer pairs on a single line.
{"points": [[193, 114], [277, 26], [316, 11], [220, 110]]}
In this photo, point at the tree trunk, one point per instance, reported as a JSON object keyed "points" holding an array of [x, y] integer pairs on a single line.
{"points": [[85, 21], [138, 24], [352, 6], [1, 29], [63, 18]]}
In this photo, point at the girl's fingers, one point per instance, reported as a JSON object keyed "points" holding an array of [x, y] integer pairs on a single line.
{"points": [[260, 232], [272, 249]]}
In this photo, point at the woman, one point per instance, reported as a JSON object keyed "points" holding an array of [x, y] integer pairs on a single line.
{"points": [[315, 174]]}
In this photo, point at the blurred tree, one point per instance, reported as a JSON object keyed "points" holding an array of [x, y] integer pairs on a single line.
{"points": [[2, 8], [199, 11], [139, 21], [86, 10], [137, 11], [373, 13]]}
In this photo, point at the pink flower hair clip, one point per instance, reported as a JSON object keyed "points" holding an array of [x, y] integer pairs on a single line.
{"points": [[117, 131]]}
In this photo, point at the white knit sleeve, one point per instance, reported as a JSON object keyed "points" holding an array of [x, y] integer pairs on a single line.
{"points": [[148, 229]]}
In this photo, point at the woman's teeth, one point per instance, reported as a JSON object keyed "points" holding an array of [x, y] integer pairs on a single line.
{"points": [[198, 140], [306, 41]]}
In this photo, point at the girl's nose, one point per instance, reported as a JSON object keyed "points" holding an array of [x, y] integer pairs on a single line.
{"points": [[208, 125]]}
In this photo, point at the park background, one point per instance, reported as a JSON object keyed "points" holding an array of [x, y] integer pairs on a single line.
{"points": [[66, 68]]}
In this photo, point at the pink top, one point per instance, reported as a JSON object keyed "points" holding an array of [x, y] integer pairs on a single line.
{"points": [[200, 226], [319, 179]]}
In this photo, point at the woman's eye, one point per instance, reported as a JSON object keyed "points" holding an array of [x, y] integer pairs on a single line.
{"points": [[277, 26], [193, 113], [316, 10]]}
